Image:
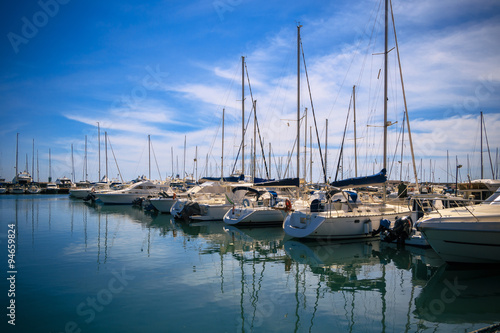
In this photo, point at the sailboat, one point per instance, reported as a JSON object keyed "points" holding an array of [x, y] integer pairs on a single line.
{"points": [[344, 216]]}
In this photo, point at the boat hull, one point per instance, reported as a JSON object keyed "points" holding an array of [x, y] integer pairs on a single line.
{"points": [[255, 217], [464, 242], [80, 193], [119, 198], [163, 205], [321, 226], [212, 212]]}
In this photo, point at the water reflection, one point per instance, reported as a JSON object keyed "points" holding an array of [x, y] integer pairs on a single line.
{"points": [[243, 279]]}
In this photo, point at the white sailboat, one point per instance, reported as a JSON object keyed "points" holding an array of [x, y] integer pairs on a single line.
{"points": [[346, 217]]}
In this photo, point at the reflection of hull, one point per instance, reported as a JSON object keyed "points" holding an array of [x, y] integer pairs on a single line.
{"points": [[255, 217], [326, 253], [163, 205], [460, 296]]}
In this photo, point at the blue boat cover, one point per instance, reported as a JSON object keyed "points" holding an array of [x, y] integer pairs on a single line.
{"points": [[378, 178]]}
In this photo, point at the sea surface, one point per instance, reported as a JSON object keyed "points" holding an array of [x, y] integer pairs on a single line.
{"points": [[93, 268]]}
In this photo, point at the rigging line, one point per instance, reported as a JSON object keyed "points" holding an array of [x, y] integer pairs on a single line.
{"points": [[400, 137], [154, 155], [241, 143], [119, 172], [257, 122], [488, 146], [314, 114], [343, 139]]}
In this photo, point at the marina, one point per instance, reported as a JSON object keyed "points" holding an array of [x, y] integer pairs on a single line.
{"points": [[105, 268]]}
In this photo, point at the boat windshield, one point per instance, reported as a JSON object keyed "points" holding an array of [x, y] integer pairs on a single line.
{"points": [[494, 199]]}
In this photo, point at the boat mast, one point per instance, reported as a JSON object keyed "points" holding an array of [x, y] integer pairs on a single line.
{"points": [[17, 156], [298, 100], [72, 165], [99, 148], [106, 152], [305, 147], [355, 149], [385, 93], [85, 175], [33, 162], [326, 149], [254, 138], [482, 169], [222, 155], [406, 107], [184, 164], [50, 169], [243, 115], [149, 156]]}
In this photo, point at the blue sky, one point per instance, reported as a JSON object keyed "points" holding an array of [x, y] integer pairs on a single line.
{"points": [[168, 68]]}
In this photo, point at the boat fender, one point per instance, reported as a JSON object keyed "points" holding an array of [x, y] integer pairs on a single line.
{"points": [[367, 224], [288, 205], [246, 203], [175, 196]]}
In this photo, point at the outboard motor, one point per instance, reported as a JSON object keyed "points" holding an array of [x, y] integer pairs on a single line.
{"points": [[385, 224], [190, 209], [401, 231], [90, 197]]}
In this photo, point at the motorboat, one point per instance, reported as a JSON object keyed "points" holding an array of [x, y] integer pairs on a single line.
{"points": [[126, 196], [164, 201], [469, 234], [52, 188], [17, 189]]}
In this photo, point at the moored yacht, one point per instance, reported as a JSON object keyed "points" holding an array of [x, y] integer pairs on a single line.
{"points": [[126, 196], [469, 234]]}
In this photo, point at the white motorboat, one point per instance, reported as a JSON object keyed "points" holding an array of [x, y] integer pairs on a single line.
{"points": [[17, 189], [469, 234], [52, 188], [164, 202], [126, 196], [3, 190], [342, 217]]}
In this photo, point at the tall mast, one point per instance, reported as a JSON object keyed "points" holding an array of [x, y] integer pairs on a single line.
{"points": [[326, 148], [17, 155], [106, 152], [85, 174], [310, 155], [298, 101], [385, 91], [37, 168], [184, 164], [33, 163], [355, 149], [72, 165], [482, 169], [172, 157], [406, 107], [254, 137], [222, 152], [99, 148], [50, 169], [305, 147], [243, 115], [149, 156]]}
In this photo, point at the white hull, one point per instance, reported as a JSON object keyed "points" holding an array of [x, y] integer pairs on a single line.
{"points": [[321, 225], [121, 198], [34, 190], [79, 193], [212, 212], [163, 205], [464, 242], [261, 216]]}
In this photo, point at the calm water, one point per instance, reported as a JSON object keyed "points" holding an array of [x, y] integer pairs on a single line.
{"points": [[117, 269]]}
